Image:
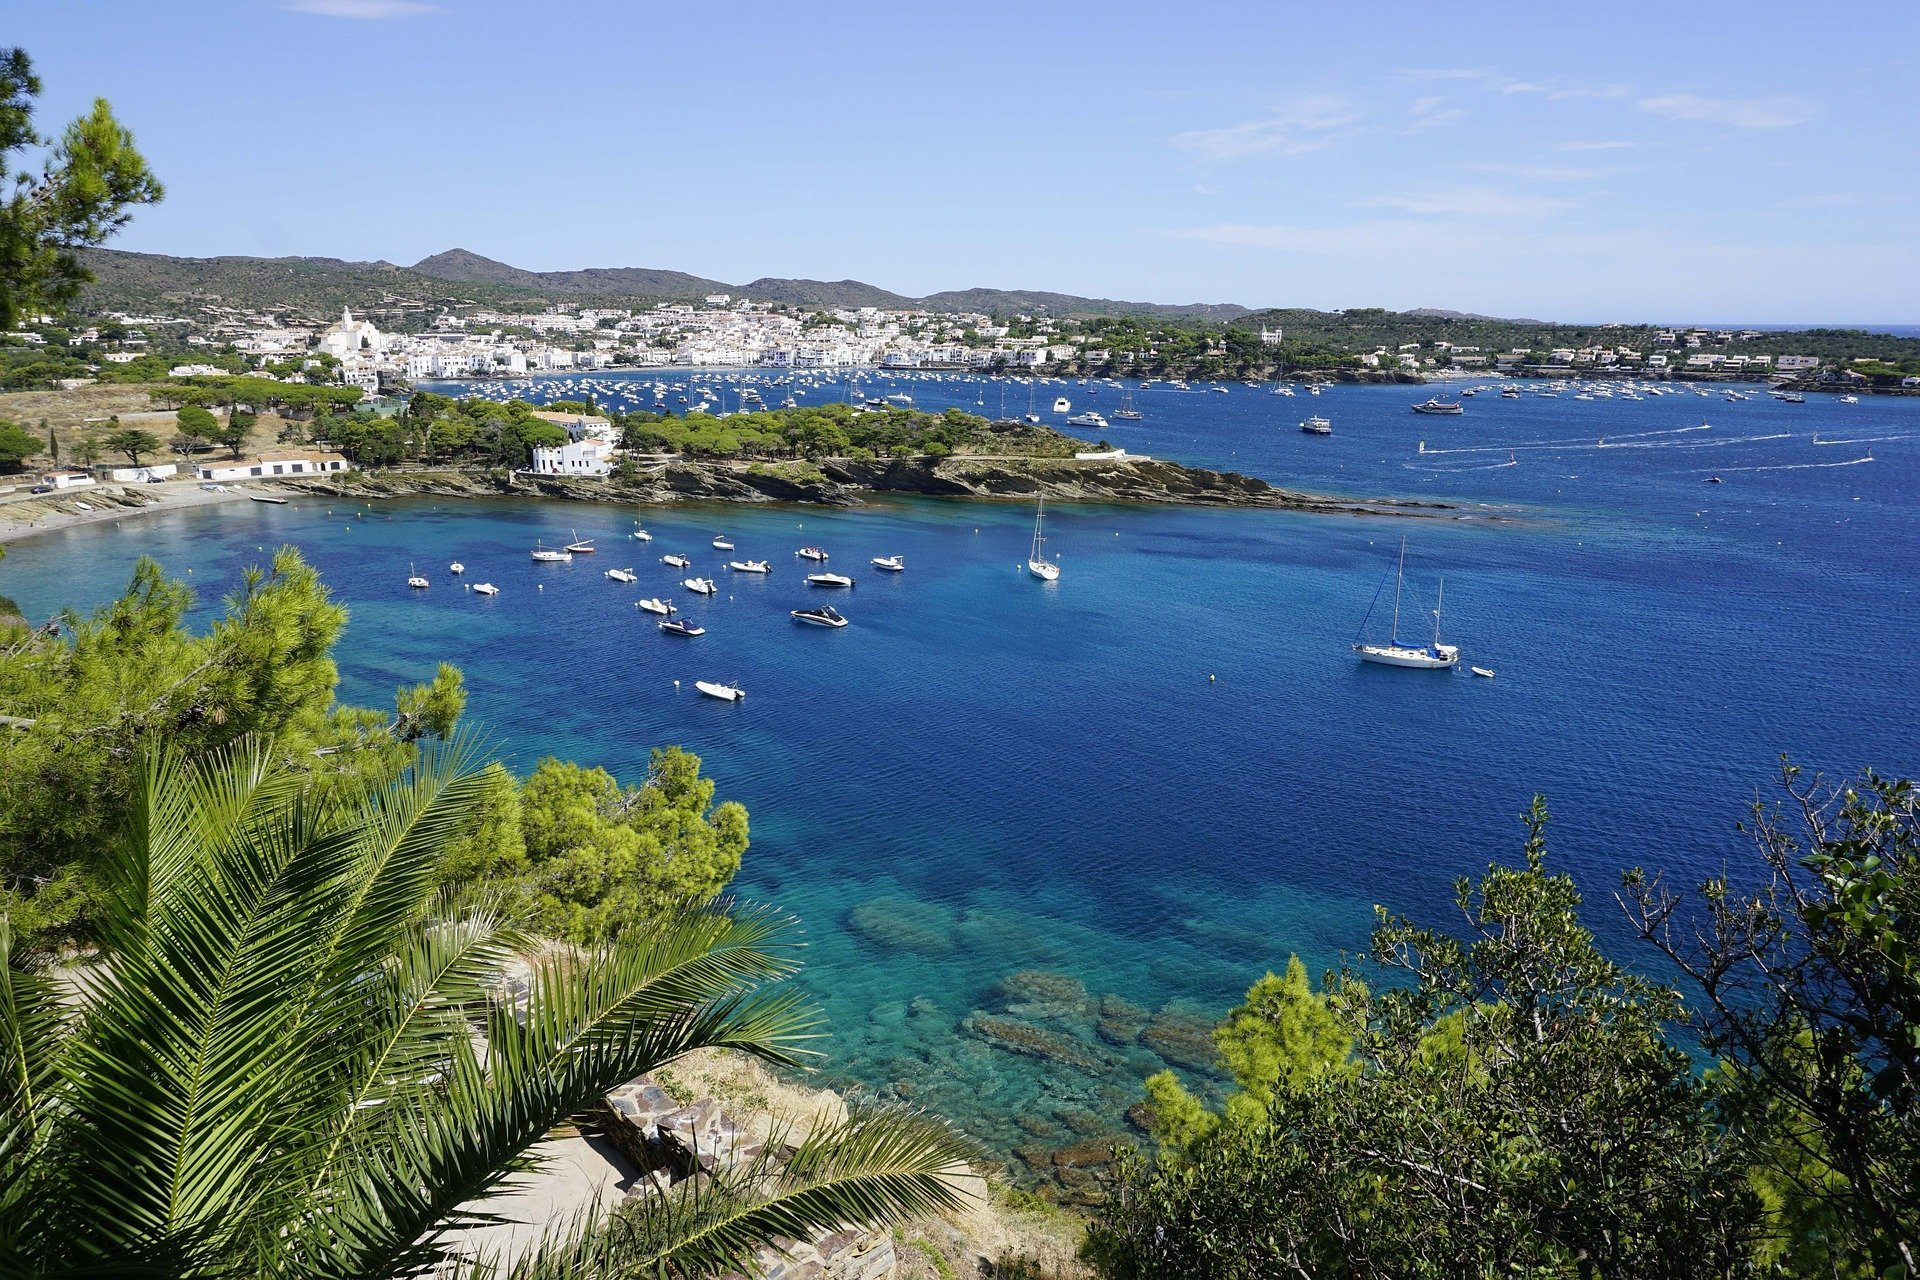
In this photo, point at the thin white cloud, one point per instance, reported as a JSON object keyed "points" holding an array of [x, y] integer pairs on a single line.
{"points": [[1551, 172], [1432, 113], [375, 10], [1739, 113], [1613, 145], [1311, 124], [1473, 202]]}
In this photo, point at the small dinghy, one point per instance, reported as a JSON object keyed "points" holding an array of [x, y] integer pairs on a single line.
{"points": [[749, 566], [485, 589], [892, 564], [682, 627], [811, 553], [700, 586], [1483, 672], [825, 616], [828, 580], [678, 562], [622, 575], [655, 605], [261, 497], [724, 692]]}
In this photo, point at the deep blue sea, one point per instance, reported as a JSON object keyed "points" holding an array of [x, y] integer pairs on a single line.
{"points": [[1165, 772]]}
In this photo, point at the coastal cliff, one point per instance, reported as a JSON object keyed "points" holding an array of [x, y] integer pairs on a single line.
{"points": [[847, 482]]}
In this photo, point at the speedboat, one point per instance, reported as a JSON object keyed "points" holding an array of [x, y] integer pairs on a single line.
{"points": [[724, 692], [1087, 419], [541, 553], [1438, 406], [456, 567], [892, 564], [828, 580], [700, 586], [678, 562], [682, 627], [811, 553], [1317, 427], [1483, 672], [720, 543], [1062, 405], [825, 616], [654, 604], [749, 566], [621, 575], [486, 589]]}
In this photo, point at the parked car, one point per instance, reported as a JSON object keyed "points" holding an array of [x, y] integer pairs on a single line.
{"points": [[43, 488]]}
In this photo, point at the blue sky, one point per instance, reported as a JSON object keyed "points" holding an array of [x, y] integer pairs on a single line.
{"points": [[1673, 161]]}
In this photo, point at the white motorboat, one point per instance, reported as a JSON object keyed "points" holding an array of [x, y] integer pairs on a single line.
{"points": [[892, 564], [1483, 672], [1062, 405], [678, 562], [824, 616], [414, 579], [485, 589], [622, 575], [811, 553], [749, 566], [700, 586], [682, 627], [546, 556], [721, 544], [456, 567], [654, 604], [724, 692], [1317, 426], [1087, 419], [829, 580], [1037, 563], [1395, 653]]}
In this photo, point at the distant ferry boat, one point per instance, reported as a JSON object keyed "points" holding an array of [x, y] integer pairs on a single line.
{"points": [[1437, 406], [1317, 427]]}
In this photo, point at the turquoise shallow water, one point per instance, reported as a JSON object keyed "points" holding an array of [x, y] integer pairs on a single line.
{"points": [[984, 775]]}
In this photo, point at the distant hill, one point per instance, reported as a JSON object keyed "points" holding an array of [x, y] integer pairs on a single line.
{"points": [[139, 281]]}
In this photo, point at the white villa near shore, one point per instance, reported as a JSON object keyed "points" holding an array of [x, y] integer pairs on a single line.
{"points": [[286, 462]]}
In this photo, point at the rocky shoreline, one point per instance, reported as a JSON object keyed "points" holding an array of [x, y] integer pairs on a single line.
{"points": [[848, 482]]}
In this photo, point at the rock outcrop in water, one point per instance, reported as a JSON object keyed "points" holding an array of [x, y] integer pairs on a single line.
{"points": [[847, 482]]}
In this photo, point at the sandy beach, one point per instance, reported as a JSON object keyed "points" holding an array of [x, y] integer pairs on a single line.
{"points": [[25, 515]]}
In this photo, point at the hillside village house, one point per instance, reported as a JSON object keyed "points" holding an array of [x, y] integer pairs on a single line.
{"points": [[68, 478], [287, 462]]}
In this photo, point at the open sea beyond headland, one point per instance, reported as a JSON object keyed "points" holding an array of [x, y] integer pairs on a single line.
{"points": [[1162, 774]]}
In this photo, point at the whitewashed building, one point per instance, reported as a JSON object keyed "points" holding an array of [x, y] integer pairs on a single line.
{"points": [[290, 462]]}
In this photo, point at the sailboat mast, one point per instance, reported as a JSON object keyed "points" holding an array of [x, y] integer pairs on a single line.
{"points": [[1399, 573], [1438, 597]]}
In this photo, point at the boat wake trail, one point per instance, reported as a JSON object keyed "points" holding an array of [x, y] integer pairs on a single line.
{"points": [[1799, 466], [1459, 470], [1863, 439]]}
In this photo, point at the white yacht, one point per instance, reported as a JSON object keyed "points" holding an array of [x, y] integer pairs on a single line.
{"points": [[749, 566], [700, 586], [1434, 657], [641, 535], [622, 575], [811, 553], [414, 579], [1087, 419], [678, 562], [829, 580], [724, 692], [825, 616], [1037, 563], [547, 556], [892, 564], [720, 543], [654, 604], [1062, 405], [485, 589]]}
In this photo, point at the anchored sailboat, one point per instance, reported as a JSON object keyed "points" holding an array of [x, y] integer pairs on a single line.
{"points": [[1037, 563], [1434, 657]]}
